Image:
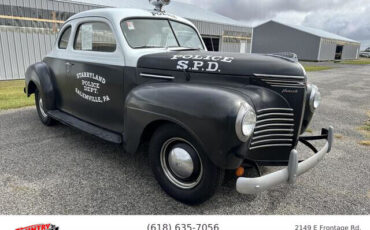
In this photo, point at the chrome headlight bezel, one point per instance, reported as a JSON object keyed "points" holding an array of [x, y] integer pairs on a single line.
{"points": [[315, 98], [245, 122]]}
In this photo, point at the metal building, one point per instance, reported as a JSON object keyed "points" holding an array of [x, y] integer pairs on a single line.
{"points": [[28, 28], [308, 43]]}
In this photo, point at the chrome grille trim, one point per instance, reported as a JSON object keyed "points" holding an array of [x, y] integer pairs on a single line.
{"points": [[270, 145], [272, 109], [272, 135], [274, 127], [273, 140], [273, 124], [273, 130], [275, 114], [274, 119]]}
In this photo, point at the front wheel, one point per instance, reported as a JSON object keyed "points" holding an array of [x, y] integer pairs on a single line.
{"points": [[41, 111], [181, 167]]}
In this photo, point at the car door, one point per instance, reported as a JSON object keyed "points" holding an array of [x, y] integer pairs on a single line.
{"points": [[95, 72], [55, 60]]}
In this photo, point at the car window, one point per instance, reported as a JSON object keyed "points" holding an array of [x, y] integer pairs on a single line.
{"points": [[146, 33], [95, 36], [63, 41], [158, 33], [186, 35]]}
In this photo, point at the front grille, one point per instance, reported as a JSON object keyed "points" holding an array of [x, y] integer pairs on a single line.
{"points": [[282, 81], [274, 127]]}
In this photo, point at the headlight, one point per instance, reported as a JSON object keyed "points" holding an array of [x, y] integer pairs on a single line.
{"points": [[315, 98], [245, 122]]}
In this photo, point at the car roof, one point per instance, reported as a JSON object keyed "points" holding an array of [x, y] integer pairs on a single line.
{"points": [[118, 14]]}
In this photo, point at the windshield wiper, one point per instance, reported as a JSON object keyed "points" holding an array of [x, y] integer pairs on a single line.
{"points": [[146, 46], [186, 48]]}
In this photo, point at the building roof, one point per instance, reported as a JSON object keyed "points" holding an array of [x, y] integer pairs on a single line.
{"points": [[316, 32], [181, 9]]}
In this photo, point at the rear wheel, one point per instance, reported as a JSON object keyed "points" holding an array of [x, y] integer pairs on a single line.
{"points": [[181, 167], [41, 111]]}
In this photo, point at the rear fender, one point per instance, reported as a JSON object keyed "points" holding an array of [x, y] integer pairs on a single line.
{"points": [[39, 76]]}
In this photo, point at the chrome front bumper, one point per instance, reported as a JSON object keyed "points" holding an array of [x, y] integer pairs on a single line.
{"points": [[287, 175]]}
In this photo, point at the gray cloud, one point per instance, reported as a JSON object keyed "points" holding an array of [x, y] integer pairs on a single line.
{"points": [[347, 18]]}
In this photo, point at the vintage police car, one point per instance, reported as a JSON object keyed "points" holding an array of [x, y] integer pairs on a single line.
{"points": [[133, 76]]}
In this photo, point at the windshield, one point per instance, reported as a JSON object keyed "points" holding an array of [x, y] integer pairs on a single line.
{"points": [[160, 33]]}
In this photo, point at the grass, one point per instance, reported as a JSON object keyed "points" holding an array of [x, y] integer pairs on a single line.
{"points": [[308, 130], [366, 142], [12, 95], [361, 61], [365, 129], [311, 68]]}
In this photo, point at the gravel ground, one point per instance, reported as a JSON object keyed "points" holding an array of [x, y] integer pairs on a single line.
{"points": [[59, 170]]}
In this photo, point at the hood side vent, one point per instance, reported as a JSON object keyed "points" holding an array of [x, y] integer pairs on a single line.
{"points": [[282, 81]]}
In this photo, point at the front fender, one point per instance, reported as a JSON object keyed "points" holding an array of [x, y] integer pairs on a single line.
{"points": [[40, 75], [206, 112]]}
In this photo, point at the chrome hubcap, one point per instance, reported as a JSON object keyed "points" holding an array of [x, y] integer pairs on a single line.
{"points": [[181, 163], [41, 105]]}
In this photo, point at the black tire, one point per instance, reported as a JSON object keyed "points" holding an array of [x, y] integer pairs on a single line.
{"points": [[205, 177], [41, 111]]}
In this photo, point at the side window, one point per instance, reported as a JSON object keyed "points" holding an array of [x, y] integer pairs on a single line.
{"points": [[186, 35], [95, 36], [63, 41]]}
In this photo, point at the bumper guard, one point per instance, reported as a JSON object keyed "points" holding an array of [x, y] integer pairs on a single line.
{"points": [[288, 175]]}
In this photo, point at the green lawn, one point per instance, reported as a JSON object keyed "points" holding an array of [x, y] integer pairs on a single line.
{"points": [[12, 95], [310, 68], [361, 61]]}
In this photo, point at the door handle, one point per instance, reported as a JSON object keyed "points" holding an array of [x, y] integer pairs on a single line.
{"points": [[68, 66]]}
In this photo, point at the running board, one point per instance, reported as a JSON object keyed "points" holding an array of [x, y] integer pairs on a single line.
{"points": [[69, 120]]}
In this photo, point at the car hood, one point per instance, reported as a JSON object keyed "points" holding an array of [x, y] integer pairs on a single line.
{"points": [[221, 63]]}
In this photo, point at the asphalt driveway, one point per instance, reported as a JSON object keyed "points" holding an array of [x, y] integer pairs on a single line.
{"points": [[59, 170]]}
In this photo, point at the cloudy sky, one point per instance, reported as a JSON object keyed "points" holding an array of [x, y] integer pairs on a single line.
{"points": [[349, 18]]}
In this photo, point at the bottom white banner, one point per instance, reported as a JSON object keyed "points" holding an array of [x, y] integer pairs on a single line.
{"points": [[184, 222]]}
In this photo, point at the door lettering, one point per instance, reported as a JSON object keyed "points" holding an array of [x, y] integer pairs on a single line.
{"points": [[91, 83]]}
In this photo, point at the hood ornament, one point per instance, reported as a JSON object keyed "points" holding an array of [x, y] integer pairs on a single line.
{"points": [[159, 4]]}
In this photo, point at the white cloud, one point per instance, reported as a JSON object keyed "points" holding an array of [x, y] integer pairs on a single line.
{"points": [[347, 18]]}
